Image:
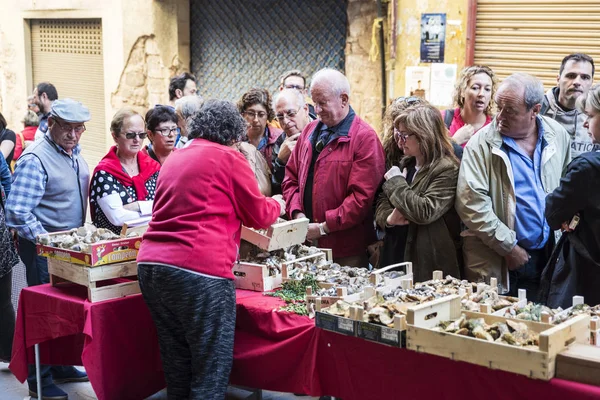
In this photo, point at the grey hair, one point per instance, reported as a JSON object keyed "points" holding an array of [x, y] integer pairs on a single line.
{"points": [[334, 79], [592, 98], [187, 106], [533, 88], [218, 121], [289, 93]]}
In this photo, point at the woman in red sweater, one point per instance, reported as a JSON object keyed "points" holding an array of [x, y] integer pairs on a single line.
{"points": [[204, 194]]}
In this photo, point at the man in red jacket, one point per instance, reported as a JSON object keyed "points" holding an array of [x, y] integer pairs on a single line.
{"points": [[334, 171]]}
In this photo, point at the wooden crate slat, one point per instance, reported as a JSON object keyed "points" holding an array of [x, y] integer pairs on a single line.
{"points": [[113, 291], [62, 271]]}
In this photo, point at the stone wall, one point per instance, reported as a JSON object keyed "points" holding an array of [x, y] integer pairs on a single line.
{"points": [[145, 78], [364, 75]]}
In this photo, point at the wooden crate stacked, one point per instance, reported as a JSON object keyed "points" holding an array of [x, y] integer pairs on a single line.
{"points": [[281, 235], [100, 270], [377, 280]]}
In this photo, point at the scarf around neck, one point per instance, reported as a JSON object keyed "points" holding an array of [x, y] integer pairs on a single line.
{"points": [[111, 164]]}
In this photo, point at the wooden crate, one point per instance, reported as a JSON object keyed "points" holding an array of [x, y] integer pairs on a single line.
{"points": [[535, 363], [395, 336], [544, 317], [91, 277], [280, 235], [256, 277], [376, 278], [321, 302], [579, 363], [101, 253]]}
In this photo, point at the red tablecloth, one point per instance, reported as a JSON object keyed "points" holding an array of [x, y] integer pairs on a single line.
{"points": [[273, 350], [115, 340]]}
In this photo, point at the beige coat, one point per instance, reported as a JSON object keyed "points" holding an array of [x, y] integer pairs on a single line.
{"points": [[485, 197]]}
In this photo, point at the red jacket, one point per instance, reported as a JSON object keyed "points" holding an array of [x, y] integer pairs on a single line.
{"points": [[205, 192], [28, 135], [347, 174]]}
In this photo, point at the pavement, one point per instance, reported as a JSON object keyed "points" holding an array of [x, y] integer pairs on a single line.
{"points": [[12, 389]]}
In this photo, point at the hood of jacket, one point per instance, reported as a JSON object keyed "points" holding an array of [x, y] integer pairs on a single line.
{"points": [[572, 121]]}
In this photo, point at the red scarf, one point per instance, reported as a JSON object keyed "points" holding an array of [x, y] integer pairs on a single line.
{"points": [[112, 165]]}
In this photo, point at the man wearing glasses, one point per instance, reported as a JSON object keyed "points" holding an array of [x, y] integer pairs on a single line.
{"points": [[50, 194], [292, 114], [334, 171], [295, 80]]}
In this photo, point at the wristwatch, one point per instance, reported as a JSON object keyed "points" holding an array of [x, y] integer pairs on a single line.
{"points": [[322, 229]]}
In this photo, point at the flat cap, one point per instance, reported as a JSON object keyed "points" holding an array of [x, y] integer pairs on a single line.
{"points": [[70, 110]]}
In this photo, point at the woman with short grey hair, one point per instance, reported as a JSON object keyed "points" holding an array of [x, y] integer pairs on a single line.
{"points": [[203, 197]]}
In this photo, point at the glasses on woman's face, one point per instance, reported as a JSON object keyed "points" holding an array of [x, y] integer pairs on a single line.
{"points": [[401, 137], [167, 131], [132, 135], [251, 114]]}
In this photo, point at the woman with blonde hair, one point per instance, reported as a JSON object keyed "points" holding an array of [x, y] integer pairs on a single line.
{"points": [[574, 268], [473, 95], [420, 193], [124, 182]]}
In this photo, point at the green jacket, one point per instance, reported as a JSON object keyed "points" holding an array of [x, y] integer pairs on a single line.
{"points": [[433, 241], [485, 197]]}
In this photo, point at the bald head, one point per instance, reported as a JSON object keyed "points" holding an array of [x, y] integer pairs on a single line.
{"points": [[291, 111], [332, 79]]}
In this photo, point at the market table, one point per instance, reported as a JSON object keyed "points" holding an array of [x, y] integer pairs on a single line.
{"points": [[115, 340]]}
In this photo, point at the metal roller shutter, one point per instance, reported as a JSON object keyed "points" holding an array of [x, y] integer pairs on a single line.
{"points": [[68, 54], [533, 36]]}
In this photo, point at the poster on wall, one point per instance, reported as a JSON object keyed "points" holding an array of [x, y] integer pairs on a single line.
{"points": [[433, 37], [443, 79], [417, 82]]}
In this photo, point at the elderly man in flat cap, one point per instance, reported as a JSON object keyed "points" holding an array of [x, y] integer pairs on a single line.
{"points": [[50, 194]]}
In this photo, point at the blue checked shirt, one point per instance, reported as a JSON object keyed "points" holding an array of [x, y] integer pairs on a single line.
{"points": [[28, 188]]}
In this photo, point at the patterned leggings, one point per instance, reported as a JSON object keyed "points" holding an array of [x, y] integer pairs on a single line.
{"points": [[195, 321]]}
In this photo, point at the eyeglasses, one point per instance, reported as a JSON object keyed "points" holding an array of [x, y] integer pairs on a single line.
{"points": [[400, 137], [298, 87], [67, 129], [252, 114], [166, 131], [410, 100], [141, 135], [287, 113]]}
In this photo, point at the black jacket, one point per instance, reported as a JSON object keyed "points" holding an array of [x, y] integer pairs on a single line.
{"points": [[577, 270]]}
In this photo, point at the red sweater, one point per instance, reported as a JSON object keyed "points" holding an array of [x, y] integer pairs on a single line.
{"points": [[204, 193]]}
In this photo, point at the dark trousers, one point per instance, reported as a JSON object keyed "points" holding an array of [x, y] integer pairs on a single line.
{"points": [[528, 276], [195, 321], [36, 269], [7, 317]]}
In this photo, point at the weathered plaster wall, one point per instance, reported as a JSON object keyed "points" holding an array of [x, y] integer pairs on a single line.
{"points": [[125, 24], [408, 39], [364, 75]]}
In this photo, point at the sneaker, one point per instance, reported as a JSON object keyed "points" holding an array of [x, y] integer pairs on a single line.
{"points": [[50, 392], [74, 375]]}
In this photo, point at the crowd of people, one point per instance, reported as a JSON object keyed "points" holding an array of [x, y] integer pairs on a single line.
{"points": [[504, 185]]}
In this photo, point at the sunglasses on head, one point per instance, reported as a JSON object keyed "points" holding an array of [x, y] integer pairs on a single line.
{"points": [[410, 100]]}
